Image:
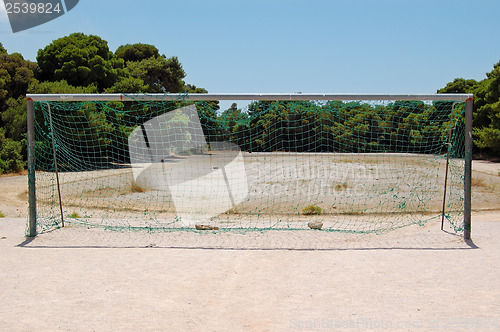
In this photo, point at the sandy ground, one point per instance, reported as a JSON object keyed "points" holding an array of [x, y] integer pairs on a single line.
{"points": [[413, 279]]}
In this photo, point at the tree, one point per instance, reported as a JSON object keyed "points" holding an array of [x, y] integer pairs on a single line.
{"points": [[81, 129], [60, 87], [488, 135], [486, 108], [459, 85], [128, 84], [145, 70], [159, 74], [489, 138], [11, 152], [207, 113], [16, 74], [233, 126], [136, 52], [14, 118], [79, 59]]}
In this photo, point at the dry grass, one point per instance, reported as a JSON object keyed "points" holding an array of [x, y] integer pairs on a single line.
{"points": [[477, 182], [481, 183], [341, 187], [135, 188]]}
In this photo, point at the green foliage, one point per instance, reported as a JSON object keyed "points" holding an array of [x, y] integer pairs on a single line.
{"points": [[459, 85], [14, 118], [128, 84], [146, 70], [233, 126], [60, 87], [57, 87], [486, 108], [409, 127], [191, 88], [15, 75], [81, 63], [488, 138], [11, 159], [312, 210], [2, 215], [79, 59], [159, 74], [136, 52], [85, 113]]}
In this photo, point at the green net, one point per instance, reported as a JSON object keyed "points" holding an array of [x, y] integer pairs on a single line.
{"points": [[178, 165]]}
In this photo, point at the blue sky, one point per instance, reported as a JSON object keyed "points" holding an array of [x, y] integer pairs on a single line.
{"points": [[335, 46]]}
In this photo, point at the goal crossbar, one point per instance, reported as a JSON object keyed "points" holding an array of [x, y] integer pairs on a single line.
{"points": [[245, 96]]}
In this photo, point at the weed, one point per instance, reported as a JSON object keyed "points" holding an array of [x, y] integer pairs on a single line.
{"points": [[74, 215], [312, 210]]}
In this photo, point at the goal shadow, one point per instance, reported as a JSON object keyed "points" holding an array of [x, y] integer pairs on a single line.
{"points": [[414, 237]]}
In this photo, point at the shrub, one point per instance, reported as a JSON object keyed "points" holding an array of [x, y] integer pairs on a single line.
{"points": [[312, 210], [11, 159]]}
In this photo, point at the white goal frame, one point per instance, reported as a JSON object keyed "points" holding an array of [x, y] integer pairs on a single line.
{"points": [[31, 98]]}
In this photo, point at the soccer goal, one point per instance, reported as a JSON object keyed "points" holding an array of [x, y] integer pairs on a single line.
{"points": [[249, 162]]}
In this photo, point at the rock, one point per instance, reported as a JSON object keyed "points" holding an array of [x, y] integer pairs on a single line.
{"points": [[202, 227], [315, 224]]}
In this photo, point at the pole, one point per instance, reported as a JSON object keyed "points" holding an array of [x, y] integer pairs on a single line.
{"points": [[446, 177], [448, 144], [469, 106], [30, 115], [243, 96], [55, 165]]}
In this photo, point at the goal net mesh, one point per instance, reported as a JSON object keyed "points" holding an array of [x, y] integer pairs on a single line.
{"points": [[179, 165]]}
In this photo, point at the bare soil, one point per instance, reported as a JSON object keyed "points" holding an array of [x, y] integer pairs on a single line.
{"points": [[412, 279]]}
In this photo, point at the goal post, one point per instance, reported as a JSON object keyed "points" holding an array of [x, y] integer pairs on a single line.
{"points": [[468, 167], [355, 163]]}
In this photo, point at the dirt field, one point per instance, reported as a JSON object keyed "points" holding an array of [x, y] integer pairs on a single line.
{"points": [[356, 193], [412, 279]]}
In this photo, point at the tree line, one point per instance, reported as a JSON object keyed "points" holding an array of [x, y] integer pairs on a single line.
{"points": [[94, 135], [486, 118], [77, 63], [81, 63]]}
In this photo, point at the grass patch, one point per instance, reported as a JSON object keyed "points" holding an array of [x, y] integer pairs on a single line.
{"points": [[2, 215], [74, 215], [312, 210]]}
